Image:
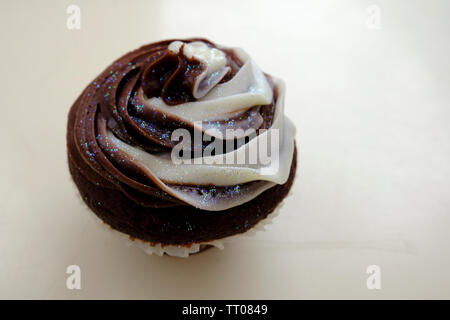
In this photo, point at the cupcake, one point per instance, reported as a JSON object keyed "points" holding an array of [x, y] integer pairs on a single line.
{"points": [[181, 145]]}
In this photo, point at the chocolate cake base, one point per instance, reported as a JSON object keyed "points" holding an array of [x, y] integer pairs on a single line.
{"points": [[179, 225]]}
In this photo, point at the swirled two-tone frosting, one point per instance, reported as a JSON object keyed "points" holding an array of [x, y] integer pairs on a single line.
{"points": [[125, 121]]}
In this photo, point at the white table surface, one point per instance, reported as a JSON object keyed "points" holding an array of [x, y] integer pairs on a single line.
{"points": [[372, 112]]}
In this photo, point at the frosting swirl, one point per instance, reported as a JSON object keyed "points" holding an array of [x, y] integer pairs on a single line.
{"points": [[124, 121]]}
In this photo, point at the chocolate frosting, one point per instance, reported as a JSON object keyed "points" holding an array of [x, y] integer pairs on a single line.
{"points": [[116, 108]]}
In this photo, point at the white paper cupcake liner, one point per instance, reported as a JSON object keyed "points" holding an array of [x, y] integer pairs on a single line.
{"points": [[184, 251]]}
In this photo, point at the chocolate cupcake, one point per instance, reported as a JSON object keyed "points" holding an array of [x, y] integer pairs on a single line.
{"points": [[182, 144]]}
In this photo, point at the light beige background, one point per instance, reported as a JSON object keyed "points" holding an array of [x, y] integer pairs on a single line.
{"points": [[372, 112]]}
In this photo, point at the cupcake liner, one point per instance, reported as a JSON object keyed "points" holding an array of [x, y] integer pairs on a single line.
{"points": [[183, 251]]}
